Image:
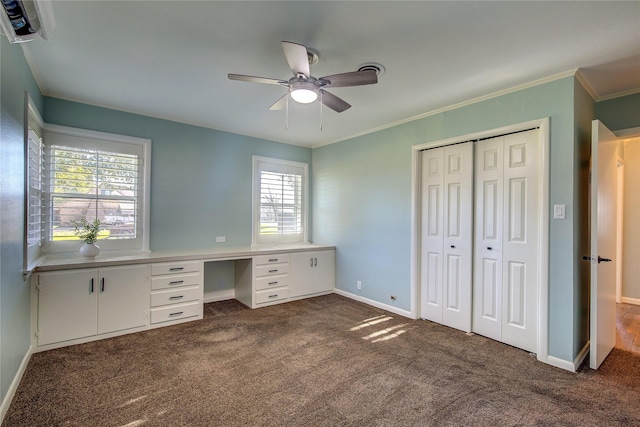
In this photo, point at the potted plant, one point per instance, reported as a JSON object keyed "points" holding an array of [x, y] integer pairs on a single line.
{"points": [[88, 233]]}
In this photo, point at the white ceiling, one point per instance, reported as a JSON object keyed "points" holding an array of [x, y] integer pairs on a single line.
{"points": [[170, 59]]}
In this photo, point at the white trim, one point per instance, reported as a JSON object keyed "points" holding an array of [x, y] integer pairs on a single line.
{"points": [[6, 402], [543, 213], [144, 143], [585, 84], [255, 204], [627, 300], [567, 365], [376, 304], [476, 100], [618, 95]]}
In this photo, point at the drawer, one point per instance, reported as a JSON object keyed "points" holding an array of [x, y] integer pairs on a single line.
{"points": [[175, 280], [175, 267], [174, 296], [271, 259], [272, 270], [269, 282], [175, 312], [270, 295]]}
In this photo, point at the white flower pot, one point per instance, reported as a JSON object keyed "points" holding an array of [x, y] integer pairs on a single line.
{"points": [[89, 250]]}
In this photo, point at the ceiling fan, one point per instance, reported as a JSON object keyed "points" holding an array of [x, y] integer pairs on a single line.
{"points": [[304, 88]]}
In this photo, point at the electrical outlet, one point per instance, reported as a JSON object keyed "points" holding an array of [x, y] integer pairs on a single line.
{"points": [[359, 285], [221, 239]]}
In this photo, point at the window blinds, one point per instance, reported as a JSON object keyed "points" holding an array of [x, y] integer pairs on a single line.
{"points": [[280, 203], [34, 189]]}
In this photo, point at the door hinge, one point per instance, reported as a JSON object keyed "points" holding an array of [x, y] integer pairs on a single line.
{"points": [[36, 333]]}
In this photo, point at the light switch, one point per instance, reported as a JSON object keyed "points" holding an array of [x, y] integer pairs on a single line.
{"points": [[559, 211]]}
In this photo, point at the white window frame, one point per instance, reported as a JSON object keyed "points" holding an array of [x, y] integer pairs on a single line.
{"points": [[87, 139], [282, 166], [33, 129]]}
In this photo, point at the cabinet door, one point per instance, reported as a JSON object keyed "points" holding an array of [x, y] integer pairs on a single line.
{"points": [[123, 298], [324, 274], [311, 273], [300, 274], [67, 305]]}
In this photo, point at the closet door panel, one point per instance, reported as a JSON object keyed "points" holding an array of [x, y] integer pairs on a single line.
{"points": [[458, 236], [520, 251], [487, 283], [432, 220]]}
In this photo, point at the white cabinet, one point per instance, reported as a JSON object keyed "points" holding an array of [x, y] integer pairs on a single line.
{"points": [[177, 292], [311, 273], [83, 303], [263, 280]]}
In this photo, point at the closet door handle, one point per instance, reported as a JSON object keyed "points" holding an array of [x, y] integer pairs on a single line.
{"points": [[91, 287], [315, 262], [102, 285], [453, 246], [311, 264]]}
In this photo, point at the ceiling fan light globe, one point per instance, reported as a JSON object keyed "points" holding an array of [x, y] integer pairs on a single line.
{"points": [[304, 96]]}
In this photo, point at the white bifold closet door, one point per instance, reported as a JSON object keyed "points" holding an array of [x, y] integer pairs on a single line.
{"points": [[505, 281], [447, 237]]}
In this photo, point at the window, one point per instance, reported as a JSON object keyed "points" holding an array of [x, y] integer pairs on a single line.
{"points": [[94, 175], [280, 201]]}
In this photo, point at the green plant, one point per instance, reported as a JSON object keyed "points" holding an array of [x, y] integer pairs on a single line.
{"points": [[87, 231]]}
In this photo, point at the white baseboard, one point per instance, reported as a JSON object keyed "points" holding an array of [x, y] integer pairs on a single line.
{"points": [[376, 304], [14, 384], [570, 366], [628, 300], [221, 295]]}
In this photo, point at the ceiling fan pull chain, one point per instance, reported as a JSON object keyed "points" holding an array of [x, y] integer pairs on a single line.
{"points": [[321, 111], [286, 114]]}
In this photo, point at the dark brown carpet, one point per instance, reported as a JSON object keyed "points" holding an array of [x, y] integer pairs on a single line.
{"points": [[326, 361]]}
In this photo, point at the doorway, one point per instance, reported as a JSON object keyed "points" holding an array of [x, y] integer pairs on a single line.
{"points": [[615, 233]]}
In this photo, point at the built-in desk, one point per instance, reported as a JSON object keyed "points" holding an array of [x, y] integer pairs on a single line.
{"points": [[76, 300]]}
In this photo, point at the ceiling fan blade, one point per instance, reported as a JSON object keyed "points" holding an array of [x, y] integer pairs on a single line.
{"points": [[280, 103], [336, 104], [354, 78], [297, 58], [255, 79]]}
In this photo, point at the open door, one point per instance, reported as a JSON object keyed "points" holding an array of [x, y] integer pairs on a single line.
{"points": [[604, 159]]}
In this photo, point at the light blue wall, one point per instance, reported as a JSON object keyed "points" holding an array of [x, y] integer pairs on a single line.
{"points": [[584, 110], [200, 178], [362, 199], [620, 113], [15, 293]]}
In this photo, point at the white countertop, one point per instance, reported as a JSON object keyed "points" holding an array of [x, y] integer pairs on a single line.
{"points": [[107, 259]]}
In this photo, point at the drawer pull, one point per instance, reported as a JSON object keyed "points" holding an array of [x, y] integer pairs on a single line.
{"points": [[273, 259], [273, 283], [178, 313], [176, 297], [176, 268], [273, 271], [273, 296], [176, 282]]}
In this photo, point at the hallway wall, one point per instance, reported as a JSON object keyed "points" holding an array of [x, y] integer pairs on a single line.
{"points": [[631, 231]]}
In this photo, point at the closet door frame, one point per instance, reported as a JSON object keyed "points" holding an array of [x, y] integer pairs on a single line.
{"points": [[542, 352]]}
